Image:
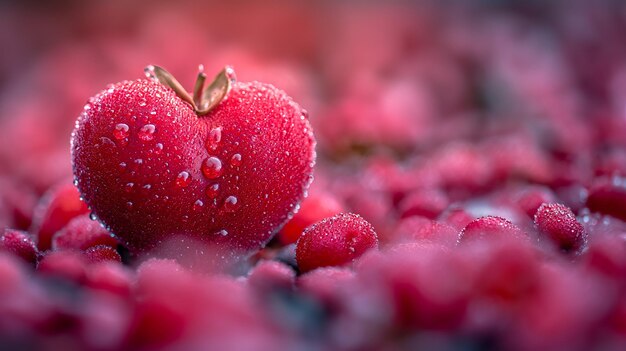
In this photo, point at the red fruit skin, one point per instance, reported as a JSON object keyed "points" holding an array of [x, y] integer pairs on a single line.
{"points": [[428, 203], [559, 224], [531, 198], [67, 264], [419, 229], [456, 217], [54, 211], [102, 253], [491, 228], [269, 276], [335, 241], [135, 184], [111, 277], [323, 283], [608, 196], [313, 209], [20, 244], [82, 233]]}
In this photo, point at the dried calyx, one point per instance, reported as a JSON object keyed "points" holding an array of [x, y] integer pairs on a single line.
{"points": [[203, 99]]}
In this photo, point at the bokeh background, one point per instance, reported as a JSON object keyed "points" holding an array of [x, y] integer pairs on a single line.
{"points": [[393, 75]]}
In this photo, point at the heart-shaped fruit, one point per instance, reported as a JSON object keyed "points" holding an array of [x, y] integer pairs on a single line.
{"points": [[226, 167]]}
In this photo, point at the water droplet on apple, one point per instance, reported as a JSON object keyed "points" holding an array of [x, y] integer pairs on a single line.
{"points": [[146, 133], [231, 203], [121, 131], [137, 164], [212, 167], [147, 187], [222, 232], [129, 187], [183, 179], [129, 205], [198, 205], [212, 191], [158, 148], [93, 216], [215, 136], [235, 160]]}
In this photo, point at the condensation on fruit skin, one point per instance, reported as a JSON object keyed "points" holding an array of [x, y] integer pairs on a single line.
{"points": [[231, 203], [198, 205], [212, 191], [183, 179], [212, 167], [129, 187], [158, 148], [121, 131], [235, 160], [146, 133], [214, 139], [222, 232]]}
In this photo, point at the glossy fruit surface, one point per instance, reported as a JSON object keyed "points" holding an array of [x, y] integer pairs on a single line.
{"points": [[152, 169]]}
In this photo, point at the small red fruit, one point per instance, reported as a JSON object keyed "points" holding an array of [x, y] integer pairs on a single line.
{"points": [[335, 241], [491, 228], [102, 253], [81, 233], [20, 244], [227, 166], [559, 224], [313, 209], [55, 210]]}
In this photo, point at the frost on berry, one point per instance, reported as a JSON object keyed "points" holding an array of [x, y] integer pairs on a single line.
{"points": [[20, 244], [82, 233], [102, 253], [334, 241], [558, 223]]}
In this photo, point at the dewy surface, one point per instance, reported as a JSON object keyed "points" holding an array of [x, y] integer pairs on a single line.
{"points": [[469, 189]]}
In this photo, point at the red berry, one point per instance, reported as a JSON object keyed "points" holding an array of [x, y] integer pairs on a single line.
{"points": [[456, 217], [491, 228], [323, 283], [608, 196], [267, 276], [417, 228], [102, 253], [111, 277], [66, 264], [334, 241], [313, 209], [229, 176], [559, 224], [81, 233], [532, 197], [428, 203], [20, 244], [54, 211]]}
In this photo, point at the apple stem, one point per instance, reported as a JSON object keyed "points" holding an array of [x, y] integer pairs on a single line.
{"points": [[197, 89], [204, 99]]}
